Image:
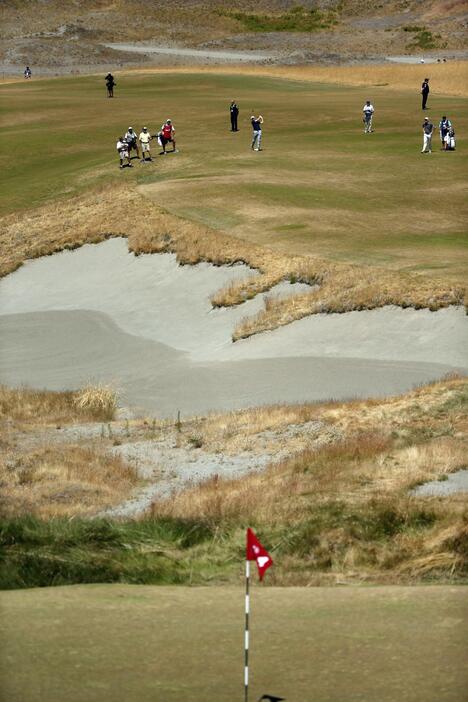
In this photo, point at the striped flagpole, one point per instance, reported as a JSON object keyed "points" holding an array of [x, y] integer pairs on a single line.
{"points": [[246, 632]]}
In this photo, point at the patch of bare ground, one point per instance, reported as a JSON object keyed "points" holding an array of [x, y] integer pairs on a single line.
{"points": [[342, 287]]}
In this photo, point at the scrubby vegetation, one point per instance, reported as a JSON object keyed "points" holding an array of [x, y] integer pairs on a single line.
{"points": [[338, 512], [297, 19], [335, 515]]}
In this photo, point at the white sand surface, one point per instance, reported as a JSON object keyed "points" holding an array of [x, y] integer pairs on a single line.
{"points": [[146, 324]]}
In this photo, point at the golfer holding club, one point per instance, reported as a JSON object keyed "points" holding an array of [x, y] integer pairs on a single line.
{"points": [[257, 132]]}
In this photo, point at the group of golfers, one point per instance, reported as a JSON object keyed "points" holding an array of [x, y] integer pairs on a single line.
{"points": [[132, 142]]}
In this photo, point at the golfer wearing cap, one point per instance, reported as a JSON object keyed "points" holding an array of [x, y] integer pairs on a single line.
{"points": [[368, 111], [131, 139], [428, 128], [145, 138], [122, 148], [257, 132]]}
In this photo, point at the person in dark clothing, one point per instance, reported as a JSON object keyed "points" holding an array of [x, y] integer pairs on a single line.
{"points": [[234, 111], [425, 92], [110, 82], [444, 126]]}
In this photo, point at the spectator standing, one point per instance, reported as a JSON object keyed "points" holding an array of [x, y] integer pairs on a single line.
{"points": [[428, 128], [425, 92], [145, 138], [110, 82], [444, 126], [234, 112], [27, 73], [122, 148], [256, 132], [368, 111]]}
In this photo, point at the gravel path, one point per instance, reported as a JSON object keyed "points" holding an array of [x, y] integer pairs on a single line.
{"points": [[170, 469], [215, 55]]}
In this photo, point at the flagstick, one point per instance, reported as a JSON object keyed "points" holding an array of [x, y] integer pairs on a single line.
{"points": [[246, 632]]}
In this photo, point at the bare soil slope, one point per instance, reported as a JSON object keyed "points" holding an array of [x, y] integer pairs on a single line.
{"points": [[71, 35]]}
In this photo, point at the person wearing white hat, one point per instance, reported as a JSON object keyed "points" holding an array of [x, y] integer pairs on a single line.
{"points": [[122, 148], [145, 138], [131, 139], [428, 128]]}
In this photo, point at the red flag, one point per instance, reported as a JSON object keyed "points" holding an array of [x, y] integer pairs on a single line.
{"points": [[256, 552]]}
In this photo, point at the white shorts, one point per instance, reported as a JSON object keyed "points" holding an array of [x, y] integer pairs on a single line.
{"points": [[145, 146], [123, 153]]}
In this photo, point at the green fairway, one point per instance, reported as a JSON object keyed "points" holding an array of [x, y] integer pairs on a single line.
{"points": [[319, 187], [130, 643]]}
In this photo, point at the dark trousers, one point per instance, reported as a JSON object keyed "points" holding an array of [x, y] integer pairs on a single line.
{"points": [[424, 99], [233, 122]]}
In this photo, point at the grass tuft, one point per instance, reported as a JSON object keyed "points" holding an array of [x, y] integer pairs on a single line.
{"points": [[99, 401]]}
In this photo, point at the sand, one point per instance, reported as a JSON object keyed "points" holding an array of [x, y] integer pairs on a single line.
{"points": [[146, 324]]}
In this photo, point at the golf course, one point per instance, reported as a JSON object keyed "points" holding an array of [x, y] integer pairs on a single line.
{"points": [[223, 338]]}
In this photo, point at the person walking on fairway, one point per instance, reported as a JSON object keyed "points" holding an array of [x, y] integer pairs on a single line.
{"points": [[444, 126], [428, 128], [122, 148], [110, 82], [145, 138], [131, 139], [425, 92], [257, 132], [368, 111], [167, 135], [234, 112]]}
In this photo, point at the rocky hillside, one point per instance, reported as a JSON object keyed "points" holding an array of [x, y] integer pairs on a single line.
{"points": [[72, 34]]}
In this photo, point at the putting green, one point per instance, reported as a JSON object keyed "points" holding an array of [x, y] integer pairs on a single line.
{"points": [[319, 187], [119, 643]]}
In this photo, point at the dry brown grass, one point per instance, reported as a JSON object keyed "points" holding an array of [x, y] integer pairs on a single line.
{"points": [[62, 480], [94, 403], [449, 78], [342, 510], [342, 287], [98, 401], [345, 510]]}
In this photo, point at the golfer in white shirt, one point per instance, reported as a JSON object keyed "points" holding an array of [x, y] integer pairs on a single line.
{"points": [[368, 111]]}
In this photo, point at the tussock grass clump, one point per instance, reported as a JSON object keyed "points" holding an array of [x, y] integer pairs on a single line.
{"points": [[98, 401], [95, 402], [26, 404]]}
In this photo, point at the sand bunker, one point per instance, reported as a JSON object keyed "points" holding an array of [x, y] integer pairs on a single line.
{"points": [[146, 324]]}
